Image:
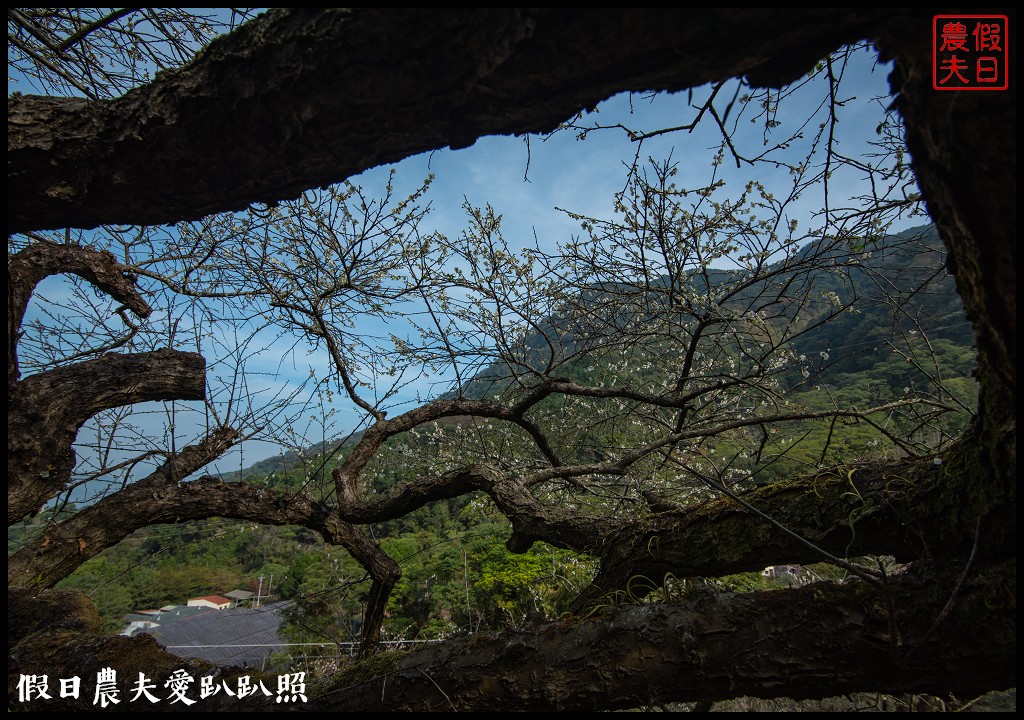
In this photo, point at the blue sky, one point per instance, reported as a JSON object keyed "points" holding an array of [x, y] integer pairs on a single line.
{"points": [[582, 176]]}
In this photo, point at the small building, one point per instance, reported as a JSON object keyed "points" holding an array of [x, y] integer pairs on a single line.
{"points": [[790, 574], [237, 597], [138, 621], [143, 620], [217, 602], [236, 636]]}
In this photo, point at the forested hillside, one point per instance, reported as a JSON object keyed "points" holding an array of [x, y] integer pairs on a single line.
{"points": [[902, 328]]}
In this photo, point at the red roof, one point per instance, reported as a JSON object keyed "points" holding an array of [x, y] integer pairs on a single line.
{"points": [[215, 599]]}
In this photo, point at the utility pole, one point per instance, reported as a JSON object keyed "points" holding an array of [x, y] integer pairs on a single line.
{"points": [[259, 590]]}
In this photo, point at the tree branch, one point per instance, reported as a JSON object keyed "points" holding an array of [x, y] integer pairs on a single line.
{"points": [[810, 642], [45, 412], [904, 509], [162, 498], [79, 165], [92, 27], [65, 545], [26, 269]]}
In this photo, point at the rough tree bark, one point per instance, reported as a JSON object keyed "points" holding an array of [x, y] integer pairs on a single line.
{"points": [[803, 643], [518, 71], [706, 646], [976, 213], [45, 411], [28, 268], [312, 103]]}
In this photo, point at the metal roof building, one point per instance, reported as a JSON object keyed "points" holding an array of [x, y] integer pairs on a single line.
{"points": [[235, 636]]}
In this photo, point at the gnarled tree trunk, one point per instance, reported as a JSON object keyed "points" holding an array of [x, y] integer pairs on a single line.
{"points": [[302, 107]]}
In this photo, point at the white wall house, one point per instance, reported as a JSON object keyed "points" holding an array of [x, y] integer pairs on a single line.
{"points": [[211, 601]]}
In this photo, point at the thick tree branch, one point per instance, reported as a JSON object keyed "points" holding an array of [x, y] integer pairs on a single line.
{"points": [[533, 520], [65, 545], [811, 642], [294, 99], [162, 498], [26, 269], [800, 643], [45, 412], [383, 570], [909, 509], [346, 475], [530, 517]]}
